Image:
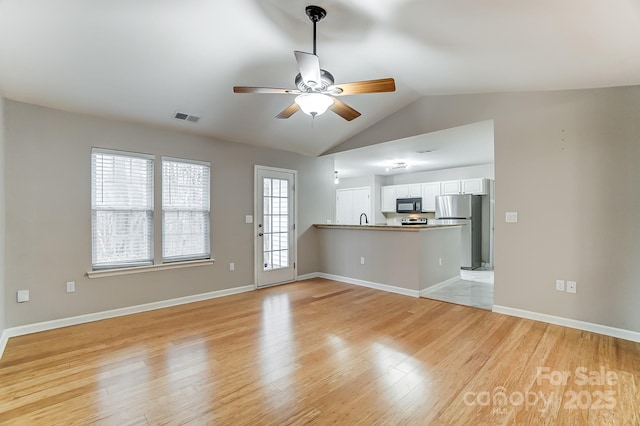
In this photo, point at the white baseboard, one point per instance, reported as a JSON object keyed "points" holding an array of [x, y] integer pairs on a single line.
{"points": [[438, 286], [633, 336], [4, 338], [370, 284], [307, 276], [113, 313]]}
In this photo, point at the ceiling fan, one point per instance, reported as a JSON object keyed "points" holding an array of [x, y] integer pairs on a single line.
{"points": [[316, 91]]}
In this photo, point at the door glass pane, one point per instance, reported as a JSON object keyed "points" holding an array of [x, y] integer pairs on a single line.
{"points": [[276, 224], [267, 187], [267, 205]]}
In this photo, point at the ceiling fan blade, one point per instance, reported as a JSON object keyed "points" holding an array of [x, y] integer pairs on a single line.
{"points": [[309, 66], [289, 111], [246, 89], [344, 110], [368, 86]]}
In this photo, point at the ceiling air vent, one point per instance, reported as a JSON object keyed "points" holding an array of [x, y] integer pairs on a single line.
{"points": [[186, 117]]}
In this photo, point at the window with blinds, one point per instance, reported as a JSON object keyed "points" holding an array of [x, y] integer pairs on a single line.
{"points": [[121, 209], [185, 210]]}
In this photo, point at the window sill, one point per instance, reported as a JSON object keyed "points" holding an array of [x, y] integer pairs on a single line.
{"points": [[150, 268]]}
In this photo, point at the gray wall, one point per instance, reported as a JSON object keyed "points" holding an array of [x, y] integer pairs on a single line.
{"points": [[567, 162], [403, 259], [2, 221], [48, 240]]}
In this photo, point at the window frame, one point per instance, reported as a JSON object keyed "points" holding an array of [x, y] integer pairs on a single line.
{"points": [[207, 212], [150, 212]]}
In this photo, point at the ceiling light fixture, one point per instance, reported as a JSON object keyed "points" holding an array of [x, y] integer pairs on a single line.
{"points": [[398, 165], [336, 180], [314, 103]]}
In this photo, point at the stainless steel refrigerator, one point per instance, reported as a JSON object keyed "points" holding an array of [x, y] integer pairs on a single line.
{"points": [[464, 210]]}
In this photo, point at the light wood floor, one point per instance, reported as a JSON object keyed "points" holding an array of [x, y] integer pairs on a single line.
{"points": [[319, 352]]}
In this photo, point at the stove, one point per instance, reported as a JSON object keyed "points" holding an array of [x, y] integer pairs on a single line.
{"points": [[413, 221]]}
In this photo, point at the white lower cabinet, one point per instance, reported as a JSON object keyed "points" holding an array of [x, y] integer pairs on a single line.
{"points": [[429, 192]]}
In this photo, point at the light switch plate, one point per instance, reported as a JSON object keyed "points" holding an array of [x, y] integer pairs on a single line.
{"points": [[71, 286], [511, 217], [248, 219], [560, 285]]}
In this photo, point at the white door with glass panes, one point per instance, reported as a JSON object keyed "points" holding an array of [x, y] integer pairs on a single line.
{"points": [[275, 226]]}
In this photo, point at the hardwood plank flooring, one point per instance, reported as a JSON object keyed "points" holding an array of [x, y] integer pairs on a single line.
{"points": [[319, 352]]}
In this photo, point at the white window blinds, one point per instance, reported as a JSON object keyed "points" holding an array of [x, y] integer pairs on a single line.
{"points": [[122, 209], [185, 210]]}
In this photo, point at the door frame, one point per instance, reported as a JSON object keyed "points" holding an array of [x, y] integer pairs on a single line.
{"points": [[257, 241]]}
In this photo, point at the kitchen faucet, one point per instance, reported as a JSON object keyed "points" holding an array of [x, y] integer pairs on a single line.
{"points": [[366, 221]]}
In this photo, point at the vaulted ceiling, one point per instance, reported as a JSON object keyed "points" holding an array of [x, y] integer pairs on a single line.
{"points": [[145, 60]]}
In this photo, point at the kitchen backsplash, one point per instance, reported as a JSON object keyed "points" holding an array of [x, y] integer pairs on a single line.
{"points": [[394, 218]]}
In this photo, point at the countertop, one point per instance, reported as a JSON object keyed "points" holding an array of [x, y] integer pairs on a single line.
{"points": [[405, 228]]}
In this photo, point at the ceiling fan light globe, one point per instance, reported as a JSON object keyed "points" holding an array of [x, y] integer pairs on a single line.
{"points": [[314, 103]]}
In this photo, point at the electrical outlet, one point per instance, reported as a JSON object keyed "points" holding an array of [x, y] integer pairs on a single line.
{"points": [[362, 260], [560, 285], [511, 217], [232, 266], [22, 296], [71, 286], [572, 287]]}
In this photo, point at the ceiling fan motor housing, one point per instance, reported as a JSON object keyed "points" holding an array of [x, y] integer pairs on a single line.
{"points": [[326, 80]]}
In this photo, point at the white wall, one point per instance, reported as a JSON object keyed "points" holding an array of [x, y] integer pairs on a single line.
{"points": [[456, 173], [567, 162], [48, 240]]}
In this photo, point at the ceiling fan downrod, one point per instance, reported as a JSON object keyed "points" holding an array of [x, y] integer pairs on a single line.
{"points": [[315, 14]]}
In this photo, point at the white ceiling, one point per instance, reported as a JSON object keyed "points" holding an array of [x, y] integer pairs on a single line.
{"points": [[462, 146], [144, 60]]}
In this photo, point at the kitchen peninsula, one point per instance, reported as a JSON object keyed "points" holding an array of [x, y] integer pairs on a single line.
{"points": [[401, 259]]}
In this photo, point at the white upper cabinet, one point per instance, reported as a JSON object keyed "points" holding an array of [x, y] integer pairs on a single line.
{"points": [[429, 192], [450, 187], [388, 199], [478, 186], [408, 191]]}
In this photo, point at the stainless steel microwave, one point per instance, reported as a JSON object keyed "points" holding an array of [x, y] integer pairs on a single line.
{"points": [[409, 205]]}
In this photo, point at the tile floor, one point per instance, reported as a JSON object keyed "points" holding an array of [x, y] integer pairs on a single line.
{"points": [[474, 288]]}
